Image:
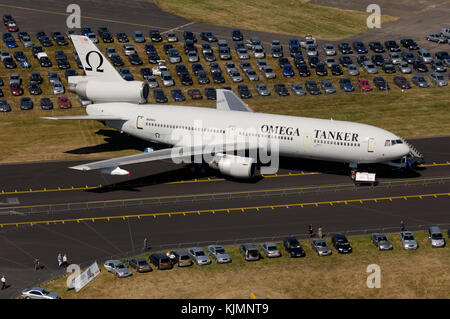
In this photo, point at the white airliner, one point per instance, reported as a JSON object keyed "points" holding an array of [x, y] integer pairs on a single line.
{"points": [[119, 104]]}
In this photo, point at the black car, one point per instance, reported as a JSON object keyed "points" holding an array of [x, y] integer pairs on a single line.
{"points": [[135, 59], [377, 59], [244, 92], [181, 68], [153, 58], [341, 244], [160, 261], [298, 59], [202, 78], [420, 66], [336, 69], [62, 63], [196, 68], [189, 35], [381, 83], [321, 69], [26, 103], [61, 40], [409, 44], [45, 62], [9, 63], [441, 55], [186, 79], [34, 89], [313, 60], [107, 37], [210, 93], [312, 87], [155, 36], [376, 46], [408, 56], [167, 47], [237, 35], [208, 36], [4, 106], [46, 103], [345, 60], [36, 78], [1, 93], [345, 48], [122, 37], [218, 78], [146, 73], [160, 96], [177, 95], [293, 247], [116, 60], [150, 48], [388, 67], [281, 89], [303, 70], [392, 46], [282, 61]]}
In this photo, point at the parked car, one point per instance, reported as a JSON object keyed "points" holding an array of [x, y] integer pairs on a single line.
{"points": [[436, 238], [26, 103], [38, 293], [219, 254], [160, 261], [140, 264], [46, 104], [195, 94], [346, 85], [438, 66], [420, 81], [262, 89], [177, 95], [364, 85], [425, 56], [118, 268], [210, 93], [181, 259], [268, 72], [312, 87], [352, 69], [402, 82], [160, 96], [321, 247], [4, 106], [408, 240], [171, 37], [138, 37], [297, 89], [380, 83], [392, 46], [249, 251], [198, 256], [369, 67], [270, 250], [403, 67], [381, 241], [155, 36], [394, 57], [329, 49], [341, 244], [293, 247], [244, 91], [438, 79], [376, 46], [327, 86], [64, 102], [281, 89], [410, 44], [208, 36]]}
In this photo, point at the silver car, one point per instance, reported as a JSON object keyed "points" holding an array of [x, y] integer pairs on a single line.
{"points": [[128, 49], [403, 67], [235, 75], [408, 240], [438, 79], [329, 49], [436, 238], [245, 66], [172, 37], [298, 89], [327, 86], [394, 57], [117, 268], [167, 79], [219, 254], [260, 63], [84, 101], [26, 41], [93, 37], [251, 75], [268, 72], [58, 88], [311, 50], [353, 69], [425, 56], [173, 55], [270, 250], [258, 52], [15, 79], [4, 54], [110, 51], [381, 241], [369, 67], [198, 256], [152, 82], [242, 54], [438, 65], [192, 56], [330, 61], [262, 89], [321, 247], [436, 37], [229, 66], [38, 293]]}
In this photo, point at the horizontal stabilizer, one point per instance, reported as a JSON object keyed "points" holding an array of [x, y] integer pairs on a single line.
{"points": [[228, 101]]}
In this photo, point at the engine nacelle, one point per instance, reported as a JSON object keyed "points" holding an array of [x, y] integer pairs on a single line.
{"points": [[235, 166], [102, 91]]}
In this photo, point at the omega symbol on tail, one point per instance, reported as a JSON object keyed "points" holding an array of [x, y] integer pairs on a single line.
{"points": [[89, 68]]}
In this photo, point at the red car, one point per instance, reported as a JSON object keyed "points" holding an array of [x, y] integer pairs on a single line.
{"points": [[64, 102], [16, 90], [12, 26], [364, 85], [195, 94], [402, 82]]}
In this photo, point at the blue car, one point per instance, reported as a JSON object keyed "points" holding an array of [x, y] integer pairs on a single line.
{"points": [[346, 85], [10, 43], [177, 95], [288, 70], [138, 37], [86, 30], [359, 47], [293, 43]]}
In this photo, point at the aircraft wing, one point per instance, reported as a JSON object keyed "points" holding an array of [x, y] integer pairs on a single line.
{"points": [[228, 101], [87, 117], [178, 152]]}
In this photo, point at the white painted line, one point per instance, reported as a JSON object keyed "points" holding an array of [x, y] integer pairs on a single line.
{"points": [[181, 26]]}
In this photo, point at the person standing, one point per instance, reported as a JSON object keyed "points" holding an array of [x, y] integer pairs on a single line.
{"points": [[402, 226], [145, 243], [3, 282], [36, 264], [319, 232], [59, 260], [64, 263], [310, 230]]}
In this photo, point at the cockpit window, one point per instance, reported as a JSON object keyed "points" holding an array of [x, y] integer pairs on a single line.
{"points": [[387, 143], [399, 141]]}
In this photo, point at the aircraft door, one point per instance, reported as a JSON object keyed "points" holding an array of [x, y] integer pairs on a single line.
{"points": [[371, 145], [140, 122], [307, 140]]}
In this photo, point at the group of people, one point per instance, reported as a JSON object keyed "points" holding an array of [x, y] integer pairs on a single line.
{"points": [[311, 231], [62, 261]]}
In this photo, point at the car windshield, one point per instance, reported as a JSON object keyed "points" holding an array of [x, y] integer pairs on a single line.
{"points": [[142, 263], [364, 82], [220, 251], [436, 236], [199, 253], [321, 244], [120, 266], [408, 237], [45, 292], [440, 77], [272, 248], [382, 238]]}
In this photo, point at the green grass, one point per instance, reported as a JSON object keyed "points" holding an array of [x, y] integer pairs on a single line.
{"points": [[297, 17], [423, 273]]}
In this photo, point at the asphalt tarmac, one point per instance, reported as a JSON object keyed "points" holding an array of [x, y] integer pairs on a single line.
{"points": [[91, 216]]}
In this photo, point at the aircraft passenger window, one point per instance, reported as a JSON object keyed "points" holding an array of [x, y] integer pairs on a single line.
{"points": [[387, 143]]}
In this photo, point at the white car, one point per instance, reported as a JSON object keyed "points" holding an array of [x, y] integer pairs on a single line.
{"points": [[157, 70], [38, 293], [166, 78], [58, 88], [329, 49], [258, 52]]}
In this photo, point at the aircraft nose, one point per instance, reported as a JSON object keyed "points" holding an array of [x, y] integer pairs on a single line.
{"points": [[404, 150]]}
